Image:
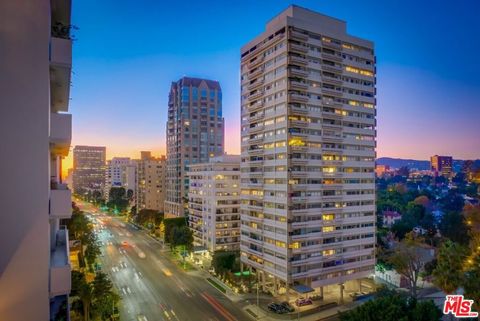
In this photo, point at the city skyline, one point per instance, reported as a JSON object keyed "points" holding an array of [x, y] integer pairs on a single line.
{"points": [[417, 76]]}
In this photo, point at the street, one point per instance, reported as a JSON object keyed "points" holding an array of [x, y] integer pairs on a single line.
{"points": [[151, 286]]}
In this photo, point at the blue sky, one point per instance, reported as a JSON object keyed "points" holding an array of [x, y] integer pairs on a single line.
{"points": [[128, 52]]}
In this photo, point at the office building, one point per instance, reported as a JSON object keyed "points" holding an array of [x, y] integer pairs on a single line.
{"points": [[151, 173], [36, 128], [88, 168], [308, 154], [195, 130], [214, 203], [114, 174], [441, 165]]}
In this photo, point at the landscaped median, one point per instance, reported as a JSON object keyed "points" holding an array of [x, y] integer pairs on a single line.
{"points": [[216, 285]]}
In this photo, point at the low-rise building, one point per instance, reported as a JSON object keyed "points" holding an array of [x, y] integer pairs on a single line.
{"points": [[214, 203], [390, 217]]}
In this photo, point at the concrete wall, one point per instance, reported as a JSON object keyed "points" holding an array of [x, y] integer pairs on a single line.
{"points": [[24, 168]]}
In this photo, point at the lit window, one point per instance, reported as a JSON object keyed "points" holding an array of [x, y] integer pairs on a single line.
{"points": [[295, 141], [327, 229], [328, 217], [328, 252]]}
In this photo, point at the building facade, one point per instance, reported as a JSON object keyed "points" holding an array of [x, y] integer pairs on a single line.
{"points": [[195, 132], [442, 165], [88, 168], [214, 203], [308, 153], [37, 130], [151, 185], [115, 174]]}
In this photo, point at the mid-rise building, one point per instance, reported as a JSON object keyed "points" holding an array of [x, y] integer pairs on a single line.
{"points": [[151, 185], [114, 174], [36, 128], [195, 130], [88, 168], [214, 203], [308, 154], [441, 165]]}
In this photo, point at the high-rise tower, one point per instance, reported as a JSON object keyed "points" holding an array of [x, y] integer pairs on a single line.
{"points": [[195, 130], [308, 152]]}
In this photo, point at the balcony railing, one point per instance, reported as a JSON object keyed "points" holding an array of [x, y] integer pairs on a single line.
{"points": [[60, 269], [60, 201]]}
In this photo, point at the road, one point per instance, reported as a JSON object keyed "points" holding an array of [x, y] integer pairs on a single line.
{"points": [[151, 286]]}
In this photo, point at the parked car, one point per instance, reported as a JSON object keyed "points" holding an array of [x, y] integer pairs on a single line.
{"points": [[287, 306], [300, 302], [276, 308]]}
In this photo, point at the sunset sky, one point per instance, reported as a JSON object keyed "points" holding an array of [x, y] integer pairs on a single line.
{"points": [[128, 52]]}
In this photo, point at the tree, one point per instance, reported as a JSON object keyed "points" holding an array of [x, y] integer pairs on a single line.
{"points": [[181, 235], [471, 283], [393, 307], [80, 229], [117, 199], [448, 274], [169, 223], [83, 290], [224, 261], [407, 260], [92, 250], [452, 226]]}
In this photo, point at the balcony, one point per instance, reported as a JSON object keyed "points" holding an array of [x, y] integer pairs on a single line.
{"points": [[298, 48], [60, 269], [297, 60], [331, 45], [255, 84], [332, 68], [329, 56], [60, 133], [298, 110], [255, 95], [258, 60], [295, 72], [255, 73], [298, 98], [60, 72], [60, 201], [298, 85], [298, 36]]}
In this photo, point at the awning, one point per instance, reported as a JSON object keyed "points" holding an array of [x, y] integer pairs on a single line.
{"points": [[302, 289]]}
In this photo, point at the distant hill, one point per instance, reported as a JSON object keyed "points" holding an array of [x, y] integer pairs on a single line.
{"points": [[419, 164]]}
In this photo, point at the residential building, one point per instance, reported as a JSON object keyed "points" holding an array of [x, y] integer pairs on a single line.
{"points": [[88, 168], [308, 154], [195, 130], [214, 203], [381, 170], [151, 173], [390, 218], [442, 165], [36, 129], [114, 174], [129, 176]]}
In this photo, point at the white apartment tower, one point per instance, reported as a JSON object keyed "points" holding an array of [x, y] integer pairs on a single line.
{"points": [[214, 203], [36, 129], [308, 151]]}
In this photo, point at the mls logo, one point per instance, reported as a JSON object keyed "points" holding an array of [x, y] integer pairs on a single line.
{"points": [[459, 307]]}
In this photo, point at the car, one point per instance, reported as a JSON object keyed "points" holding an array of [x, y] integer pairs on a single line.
{"points": [[287, 306], [276, 308], [300, 302]]}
